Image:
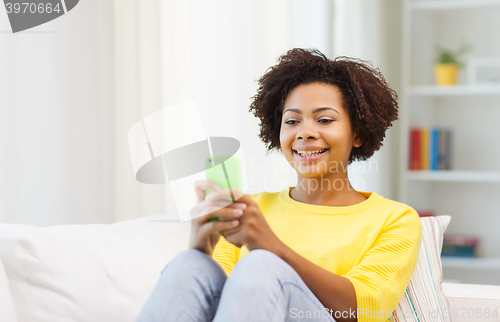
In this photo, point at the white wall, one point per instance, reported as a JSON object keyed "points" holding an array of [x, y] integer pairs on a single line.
{"points": [[55, 118], [311, 25]]}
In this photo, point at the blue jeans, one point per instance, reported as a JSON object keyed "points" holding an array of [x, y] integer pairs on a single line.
{"points": [[261, 288]]}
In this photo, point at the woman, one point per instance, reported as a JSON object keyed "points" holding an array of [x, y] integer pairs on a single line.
{"points": [[319, 251]]}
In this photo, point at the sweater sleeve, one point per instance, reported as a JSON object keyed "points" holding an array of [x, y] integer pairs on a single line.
{"points": [[226, 254], [384, 272]]}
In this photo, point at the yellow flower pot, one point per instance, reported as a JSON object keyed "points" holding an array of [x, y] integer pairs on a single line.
{"points": [[446, 74]]}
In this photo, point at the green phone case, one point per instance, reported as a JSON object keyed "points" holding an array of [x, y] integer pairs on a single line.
{"points": [[232, 167], [228, 174]]}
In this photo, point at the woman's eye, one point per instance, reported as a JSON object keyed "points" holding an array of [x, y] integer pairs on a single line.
{"points": [[325, 121], [290, 122]]}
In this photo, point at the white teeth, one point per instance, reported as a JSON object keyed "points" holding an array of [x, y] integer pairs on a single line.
{"points": [[310, 153]]}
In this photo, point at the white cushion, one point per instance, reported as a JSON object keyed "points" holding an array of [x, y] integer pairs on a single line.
{"points": [[7, 311], [472, 302], [88, 273]]}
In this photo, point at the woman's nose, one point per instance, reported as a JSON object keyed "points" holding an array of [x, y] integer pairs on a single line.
{"points": [[307, 131]]}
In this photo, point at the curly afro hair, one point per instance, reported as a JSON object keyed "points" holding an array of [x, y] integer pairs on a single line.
{"points": [[371, 104]]}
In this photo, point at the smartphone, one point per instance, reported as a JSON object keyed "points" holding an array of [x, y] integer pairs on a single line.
{"points": [[226, 175]]}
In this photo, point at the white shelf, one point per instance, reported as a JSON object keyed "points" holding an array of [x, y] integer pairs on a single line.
{"points": [[426, 23], [452, 4], [455, 90], [453, 175], [481, 263]]}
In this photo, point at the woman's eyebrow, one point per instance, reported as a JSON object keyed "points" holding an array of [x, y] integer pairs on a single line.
{"points": [[319, 109]]}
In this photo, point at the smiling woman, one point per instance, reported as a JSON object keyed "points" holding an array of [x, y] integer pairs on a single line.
{"points": [[361, 91], [315, 138], [319, 247], [320, 113]]}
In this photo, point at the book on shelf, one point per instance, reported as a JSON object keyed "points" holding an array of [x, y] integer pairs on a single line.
{"points": [[425, 213], [430, 148], [460, 245]]}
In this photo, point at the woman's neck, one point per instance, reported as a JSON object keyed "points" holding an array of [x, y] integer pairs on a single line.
{"points": [[324, 191]]}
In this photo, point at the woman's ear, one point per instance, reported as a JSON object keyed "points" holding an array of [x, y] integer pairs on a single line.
{"points": [[357, 141]]}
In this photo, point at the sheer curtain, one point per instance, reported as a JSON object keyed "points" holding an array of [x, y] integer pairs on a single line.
{"points": [[138, 94]]}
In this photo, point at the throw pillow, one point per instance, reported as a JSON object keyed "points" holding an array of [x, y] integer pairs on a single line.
{"points": [[424, 299]]}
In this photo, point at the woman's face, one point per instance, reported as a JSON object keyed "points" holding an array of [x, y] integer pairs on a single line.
{"points": [[314, 120]]}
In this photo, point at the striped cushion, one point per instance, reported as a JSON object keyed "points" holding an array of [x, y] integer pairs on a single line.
{"points": [[424, 299]]}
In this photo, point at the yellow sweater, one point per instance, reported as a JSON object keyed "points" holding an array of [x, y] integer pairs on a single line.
{"points": [[374, 244]]}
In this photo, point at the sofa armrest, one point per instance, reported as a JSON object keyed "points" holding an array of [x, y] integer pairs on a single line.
{"points": [[473, 302]]}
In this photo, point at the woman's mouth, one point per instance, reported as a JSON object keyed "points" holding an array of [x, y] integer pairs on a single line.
{"points": [[308, 156]]}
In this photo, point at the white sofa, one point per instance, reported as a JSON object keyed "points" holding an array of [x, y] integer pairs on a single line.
{"points": [[104, 273]]}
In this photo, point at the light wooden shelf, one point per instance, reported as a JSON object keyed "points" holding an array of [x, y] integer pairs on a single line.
{"points": [[452, 4], [455, 90], [453, 176], [480, 263]]}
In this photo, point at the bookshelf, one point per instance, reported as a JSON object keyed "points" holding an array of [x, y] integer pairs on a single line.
{"points": [[483, 263], [434, 5], [469, 190], [457, 90], [454, 176]]}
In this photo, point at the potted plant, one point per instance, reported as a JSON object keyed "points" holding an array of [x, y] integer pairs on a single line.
{"points": [[448, 64]]}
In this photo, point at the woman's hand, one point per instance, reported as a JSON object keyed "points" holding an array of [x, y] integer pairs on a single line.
{"points": [[205, 234], [253, 231]]}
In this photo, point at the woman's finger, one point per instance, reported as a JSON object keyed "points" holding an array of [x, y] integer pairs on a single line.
{"points": [[234, 235], [218, 204], [213, 226], [237, 194], [222, 213], [229, 232], [202, 185], [203, 210], [229, 194]]}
